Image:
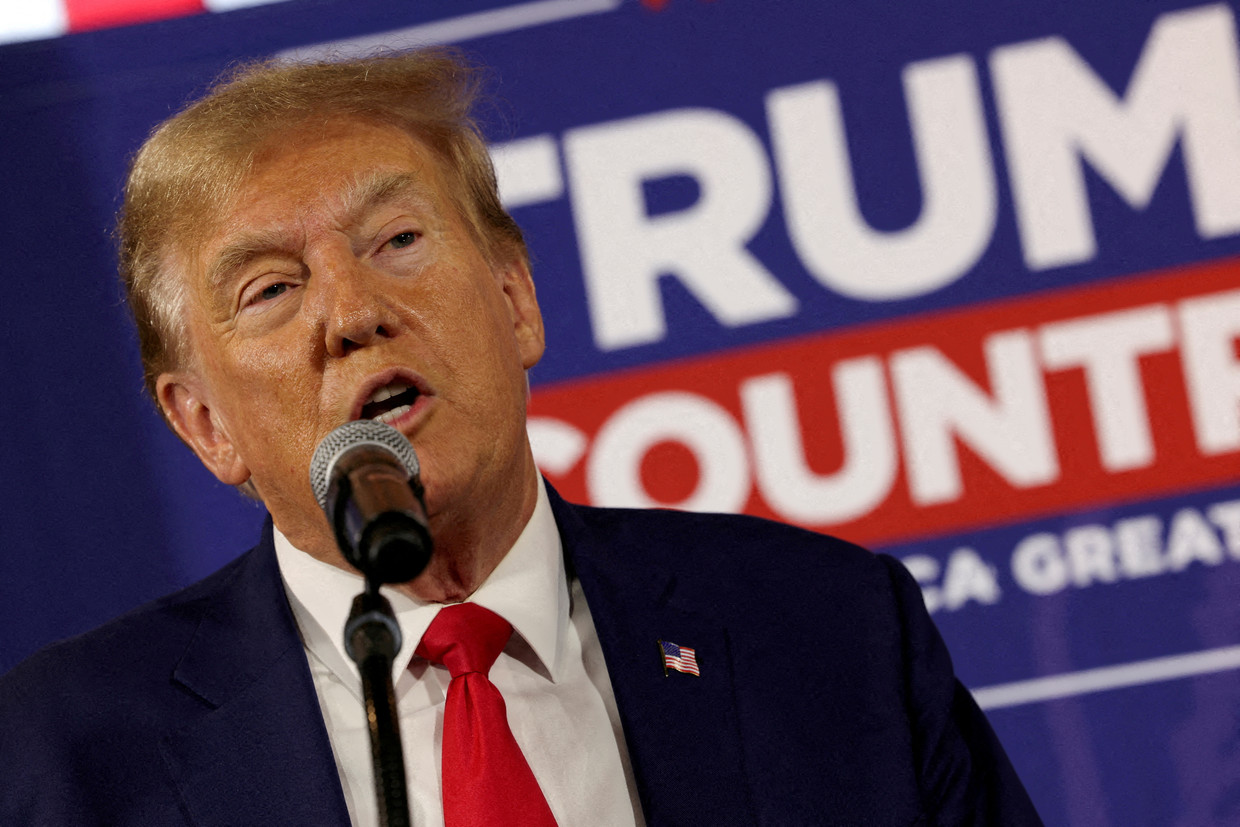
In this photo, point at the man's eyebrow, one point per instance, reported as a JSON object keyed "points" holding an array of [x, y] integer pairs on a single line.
{"points": [[240, 252], [381, 188], [367, 193]]}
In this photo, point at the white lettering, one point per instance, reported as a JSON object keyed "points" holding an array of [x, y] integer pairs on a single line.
{"points": [[1227, 517], [968, 578], [937, 404], [1191, 538], [869, 469], [820, 200], [1108, 346], [528, 171], [1209, 327], [624, 251], [1139, 541], [557, 446], [1091, 555], [1038, 565], [613, 471], [1053, 108]]}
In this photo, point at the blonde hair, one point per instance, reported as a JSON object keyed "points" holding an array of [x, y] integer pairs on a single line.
{"points": [[193, 164]]}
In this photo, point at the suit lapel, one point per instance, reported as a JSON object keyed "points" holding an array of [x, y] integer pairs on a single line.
{"points": [[681, 730], [259, 752]]}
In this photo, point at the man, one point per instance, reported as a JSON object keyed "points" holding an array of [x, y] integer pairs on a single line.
{"points": [[309, 245]]}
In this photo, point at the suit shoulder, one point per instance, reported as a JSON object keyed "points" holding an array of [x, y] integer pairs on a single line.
{"points": [[732, 550], [128, 645], [721, 532]]}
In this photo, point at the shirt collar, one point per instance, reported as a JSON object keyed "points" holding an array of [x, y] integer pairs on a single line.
{"points": [[529, 589]]}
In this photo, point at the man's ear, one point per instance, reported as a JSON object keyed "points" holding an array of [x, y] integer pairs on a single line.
{"points": [[518, 286], [183, 400]]}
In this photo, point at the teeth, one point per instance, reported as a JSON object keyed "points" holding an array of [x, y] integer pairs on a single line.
{"points": [[388, 392], [392, 415]]}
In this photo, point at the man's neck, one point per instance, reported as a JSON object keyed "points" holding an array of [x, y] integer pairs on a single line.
{"points": [[466, 550]]}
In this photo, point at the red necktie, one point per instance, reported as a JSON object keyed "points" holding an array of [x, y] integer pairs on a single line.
{"points": [[486, 780]]}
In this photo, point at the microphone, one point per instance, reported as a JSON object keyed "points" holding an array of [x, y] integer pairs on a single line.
{"points": [[365, 476]]}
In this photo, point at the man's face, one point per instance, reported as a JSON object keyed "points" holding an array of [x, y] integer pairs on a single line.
{"points": [[343, 284]]}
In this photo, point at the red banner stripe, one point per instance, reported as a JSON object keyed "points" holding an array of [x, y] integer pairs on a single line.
{"points": [[85, 15], [1080, 475]]}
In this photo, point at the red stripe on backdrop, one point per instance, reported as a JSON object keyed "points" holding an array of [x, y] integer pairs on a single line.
{"points": [[85, 15], [1094, 446]]}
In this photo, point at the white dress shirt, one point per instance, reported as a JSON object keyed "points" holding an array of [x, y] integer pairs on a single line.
{"points": [[561, 706]]}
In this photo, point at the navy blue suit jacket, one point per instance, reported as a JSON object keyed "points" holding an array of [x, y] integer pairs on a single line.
{"points": [[825, 695]]}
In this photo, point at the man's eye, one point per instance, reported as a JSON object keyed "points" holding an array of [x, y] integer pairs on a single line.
{"points": [[403, 239], [271, 291]]}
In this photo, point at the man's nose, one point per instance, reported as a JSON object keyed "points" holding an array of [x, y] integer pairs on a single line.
{"points": [[354, 311]]}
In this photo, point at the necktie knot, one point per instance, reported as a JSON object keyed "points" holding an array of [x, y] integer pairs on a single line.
{"points": [[465, 638]]}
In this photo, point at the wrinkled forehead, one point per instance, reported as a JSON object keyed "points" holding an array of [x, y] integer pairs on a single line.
{"points": [[299, 178], [334, 167]]}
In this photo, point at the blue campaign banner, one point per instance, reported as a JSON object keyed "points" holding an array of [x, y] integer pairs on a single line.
{"points": [[958, 281]]}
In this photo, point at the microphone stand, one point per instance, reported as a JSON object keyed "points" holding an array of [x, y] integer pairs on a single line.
{"points": [[365, 476], [372, 639]]}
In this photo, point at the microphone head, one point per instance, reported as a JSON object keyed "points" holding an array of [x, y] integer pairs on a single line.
{"points": [[350, 435]]}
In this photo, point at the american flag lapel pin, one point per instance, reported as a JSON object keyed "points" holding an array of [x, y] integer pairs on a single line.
{"points": [[680, 658]]}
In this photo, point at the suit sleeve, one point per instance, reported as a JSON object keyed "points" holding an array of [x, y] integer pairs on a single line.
{"points": [[965, 776]]}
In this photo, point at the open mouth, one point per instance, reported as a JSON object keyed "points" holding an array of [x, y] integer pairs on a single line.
{"points": [[390, 402]]}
